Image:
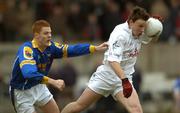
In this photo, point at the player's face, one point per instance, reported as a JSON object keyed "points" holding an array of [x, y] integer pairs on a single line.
{"points": [[45, 36], [137, 27]]}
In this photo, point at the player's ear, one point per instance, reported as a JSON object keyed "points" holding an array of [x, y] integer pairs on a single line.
{"points": [[130, 23]]}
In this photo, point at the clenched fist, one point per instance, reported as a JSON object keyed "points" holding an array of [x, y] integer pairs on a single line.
{"points": [[127, 87], [59, 83]]}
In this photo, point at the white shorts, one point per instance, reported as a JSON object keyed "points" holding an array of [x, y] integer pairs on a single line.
{"points": [[105, 84], [25, 100]]}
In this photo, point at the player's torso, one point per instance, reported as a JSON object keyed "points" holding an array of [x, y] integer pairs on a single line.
{"points": [[130, 52], [129, 48], [43, 60]]}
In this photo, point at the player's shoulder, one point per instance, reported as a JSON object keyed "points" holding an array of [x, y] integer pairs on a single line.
{"points": [[55, 44], [121, 31], [122, 28], [25, 47], [26, 44]]}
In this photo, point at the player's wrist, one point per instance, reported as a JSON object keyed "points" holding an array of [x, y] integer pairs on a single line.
{"points": [[124, 79], [92, 48], [45, 80], [51, 81]]}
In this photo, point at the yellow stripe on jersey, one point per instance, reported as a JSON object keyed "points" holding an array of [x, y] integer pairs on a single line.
{"points": [[92, 49], [65, 50], [24, 62]]}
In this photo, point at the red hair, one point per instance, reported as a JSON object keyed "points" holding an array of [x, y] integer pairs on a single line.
{"points": [[36, 27]]}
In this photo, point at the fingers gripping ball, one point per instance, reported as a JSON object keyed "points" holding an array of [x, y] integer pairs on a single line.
{"points": [[154, 28]]}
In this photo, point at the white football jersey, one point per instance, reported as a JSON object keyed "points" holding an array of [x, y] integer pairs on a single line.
{"points": [[123, 48]]}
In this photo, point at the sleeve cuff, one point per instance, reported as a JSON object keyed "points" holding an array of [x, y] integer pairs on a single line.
{"points": [[92, 49], [45, 80], [114, 59]]}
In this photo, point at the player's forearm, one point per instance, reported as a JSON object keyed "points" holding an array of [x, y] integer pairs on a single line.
{"points": [[78, 50], [59, 83], [117, 69]]}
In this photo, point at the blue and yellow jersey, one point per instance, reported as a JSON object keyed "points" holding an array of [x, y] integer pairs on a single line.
{"points": [[32, 65]]}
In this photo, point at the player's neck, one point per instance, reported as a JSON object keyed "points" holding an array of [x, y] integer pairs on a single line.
{"points": [[39, 45]]}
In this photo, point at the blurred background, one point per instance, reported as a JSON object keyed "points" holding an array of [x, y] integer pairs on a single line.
{"points": [[75, 21]]}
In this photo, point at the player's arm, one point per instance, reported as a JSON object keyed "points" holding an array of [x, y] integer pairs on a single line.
{"points": [[59, 83], [77, 49], [114, 58], [30, 71], [127, 87], [117, 69], [28, 65]]}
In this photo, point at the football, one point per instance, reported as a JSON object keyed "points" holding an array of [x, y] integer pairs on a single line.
{"points": [[154, 28]]}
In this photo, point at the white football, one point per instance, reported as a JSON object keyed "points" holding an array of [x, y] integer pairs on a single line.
{"points": [[154, 27]]}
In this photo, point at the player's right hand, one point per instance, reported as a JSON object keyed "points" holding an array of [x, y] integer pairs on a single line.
{"points": [[102, 47], [127, 87]]}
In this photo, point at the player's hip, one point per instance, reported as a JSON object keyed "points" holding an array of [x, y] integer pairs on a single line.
{"points": [[105, 84], [24, 100]]}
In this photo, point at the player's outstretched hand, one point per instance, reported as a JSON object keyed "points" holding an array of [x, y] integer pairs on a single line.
{"points": [[102, 47], [127, 87]]}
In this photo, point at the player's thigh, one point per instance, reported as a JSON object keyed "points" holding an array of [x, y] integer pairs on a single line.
{"points": [[130, 103], [88, 97], [50, 107]]}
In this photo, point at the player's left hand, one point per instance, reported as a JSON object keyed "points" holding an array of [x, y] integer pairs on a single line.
{"points": [[59, 83], [127, 87], [101, 47]]}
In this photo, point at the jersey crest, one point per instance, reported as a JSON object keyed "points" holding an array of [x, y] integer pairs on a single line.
{"points": [[28, 53], [115, 45]]}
